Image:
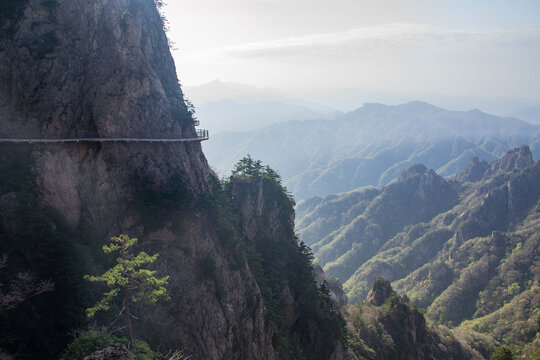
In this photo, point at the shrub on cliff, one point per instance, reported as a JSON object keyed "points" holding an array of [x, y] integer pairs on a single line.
{"points": [[87, 342], [249, 168], [129, 279]]}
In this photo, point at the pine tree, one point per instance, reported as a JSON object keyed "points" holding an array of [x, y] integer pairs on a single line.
{"points": [[130, 279]]}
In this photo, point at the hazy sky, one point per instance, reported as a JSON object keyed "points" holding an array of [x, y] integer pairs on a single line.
{"points": [[488, 48]]}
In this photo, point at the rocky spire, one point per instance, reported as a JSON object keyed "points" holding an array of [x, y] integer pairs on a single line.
{"points": [[380, 292]]}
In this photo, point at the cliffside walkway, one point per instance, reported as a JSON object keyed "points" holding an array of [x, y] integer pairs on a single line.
{"points": [[201, 136]]}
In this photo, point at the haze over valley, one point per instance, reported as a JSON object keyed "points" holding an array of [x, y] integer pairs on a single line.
{"points": [[361, 183], [372, 145]]}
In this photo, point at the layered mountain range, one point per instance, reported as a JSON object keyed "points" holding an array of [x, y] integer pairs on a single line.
{"points": [[241, 283], [372, 145], [464, 248]]}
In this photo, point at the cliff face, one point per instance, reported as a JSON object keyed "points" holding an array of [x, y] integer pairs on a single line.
{"points": [[72, 69], [304, 319]]}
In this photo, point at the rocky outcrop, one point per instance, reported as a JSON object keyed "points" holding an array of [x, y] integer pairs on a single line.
{"points": [[72, 69], [502, 200], [516, 159], [337, 294], [474, 170], [389, 327], [380, 292], [299, 308]]}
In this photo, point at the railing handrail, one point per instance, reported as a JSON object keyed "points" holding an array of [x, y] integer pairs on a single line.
{"points": [[201, 135]]}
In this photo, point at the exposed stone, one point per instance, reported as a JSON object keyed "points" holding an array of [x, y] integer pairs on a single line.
{"points": [[474, 170], [266, 221], [380, 292], [516, 159], [337, 294]]}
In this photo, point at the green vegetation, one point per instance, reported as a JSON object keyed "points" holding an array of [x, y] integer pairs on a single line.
{"points": [[470, 260], [502, 353], [89, 341], [398, 330], [247, 168], [129, 279]]}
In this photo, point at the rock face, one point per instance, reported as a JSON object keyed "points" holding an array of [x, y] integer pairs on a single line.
{"points": [[72, 69], [514, 160], [337, 294], [474, 171], [517, 159], [298, 309], [380, 292]]}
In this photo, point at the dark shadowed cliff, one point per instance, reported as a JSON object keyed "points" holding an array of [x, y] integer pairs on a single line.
{"points": [[102, 69]]}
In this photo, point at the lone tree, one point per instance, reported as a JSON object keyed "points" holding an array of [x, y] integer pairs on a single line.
{"points": [[130, 279]]}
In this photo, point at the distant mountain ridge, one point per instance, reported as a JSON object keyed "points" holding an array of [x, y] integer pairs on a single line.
{"points": [[236, 115], [372, 145], [229, 106]]}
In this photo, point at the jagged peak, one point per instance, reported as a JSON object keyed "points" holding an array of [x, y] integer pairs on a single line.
{"points": [[474, 170], [515, 159], [416, 169], [380, 291]]}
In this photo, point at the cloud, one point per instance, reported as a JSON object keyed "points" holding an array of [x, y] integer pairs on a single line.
{"points": [[388, 39]]}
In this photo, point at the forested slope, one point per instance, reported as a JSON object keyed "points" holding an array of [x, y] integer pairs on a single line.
{"points": [[465, 248]]}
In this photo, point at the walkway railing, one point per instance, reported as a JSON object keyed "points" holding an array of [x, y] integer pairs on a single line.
{"points": [[201, 136]]}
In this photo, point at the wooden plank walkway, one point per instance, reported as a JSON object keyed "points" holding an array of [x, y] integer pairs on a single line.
{"points": [[201, 136]]}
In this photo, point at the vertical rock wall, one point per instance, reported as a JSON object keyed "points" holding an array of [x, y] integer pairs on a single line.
{"points": [[102, 68]]}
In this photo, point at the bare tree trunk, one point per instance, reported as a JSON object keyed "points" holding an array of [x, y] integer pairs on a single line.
{"points": [[128, 316]]}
